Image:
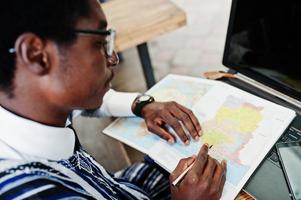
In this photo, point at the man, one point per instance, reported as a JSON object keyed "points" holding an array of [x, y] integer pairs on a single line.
{"points": [[56, 57]]}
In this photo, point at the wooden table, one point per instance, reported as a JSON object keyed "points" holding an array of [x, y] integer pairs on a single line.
{"points": [[138, 21], [243, 196]]}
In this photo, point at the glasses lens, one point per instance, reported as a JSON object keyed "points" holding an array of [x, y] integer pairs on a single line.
{"points": [[114, 59], [110, 43]]}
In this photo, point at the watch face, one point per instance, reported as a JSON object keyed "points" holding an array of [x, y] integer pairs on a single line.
{"points": [[144, 98]]}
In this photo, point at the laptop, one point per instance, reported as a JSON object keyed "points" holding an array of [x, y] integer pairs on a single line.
{"points": [[263, 49]]}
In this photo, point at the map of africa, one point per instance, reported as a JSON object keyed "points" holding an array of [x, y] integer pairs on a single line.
{"points": [[236, 123]]}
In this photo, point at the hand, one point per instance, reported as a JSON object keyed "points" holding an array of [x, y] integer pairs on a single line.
{"points": [[159, 114], [205, 180]]}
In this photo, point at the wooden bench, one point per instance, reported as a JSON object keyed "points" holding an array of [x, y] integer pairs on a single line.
{"points": [[139, 21]]}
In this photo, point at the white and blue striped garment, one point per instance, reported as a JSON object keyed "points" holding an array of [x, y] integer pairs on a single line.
{"points": [[80, 177]]}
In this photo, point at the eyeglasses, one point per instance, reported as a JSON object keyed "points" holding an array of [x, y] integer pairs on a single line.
{"points": [[109, 45]]}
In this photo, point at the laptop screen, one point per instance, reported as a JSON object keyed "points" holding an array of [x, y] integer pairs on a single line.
{"points": [[264, 43]]}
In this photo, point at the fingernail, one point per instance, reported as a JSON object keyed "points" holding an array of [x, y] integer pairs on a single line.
{"points": [[196, 137], [200, 133], [171, 141], [187, 142], [206, 144], [224, 162]]}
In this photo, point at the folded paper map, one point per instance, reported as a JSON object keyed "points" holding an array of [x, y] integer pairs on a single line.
{"points": [[241, 127]]}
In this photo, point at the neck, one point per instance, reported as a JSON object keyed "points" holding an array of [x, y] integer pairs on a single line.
{"points": [[35, 109]]}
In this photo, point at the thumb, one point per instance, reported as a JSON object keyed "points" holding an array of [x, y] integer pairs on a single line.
{"points": [[182, 165]]}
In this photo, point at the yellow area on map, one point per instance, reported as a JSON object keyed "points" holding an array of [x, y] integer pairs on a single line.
{"points": [[246, 119], [213, 137]]}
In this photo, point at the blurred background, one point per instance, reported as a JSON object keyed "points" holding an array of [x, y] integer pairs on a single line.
{"points": [[190, 50]]}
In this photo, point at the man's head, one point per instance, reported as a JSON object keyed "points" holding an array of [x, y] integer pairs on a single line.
{"points": [[43, 56]]}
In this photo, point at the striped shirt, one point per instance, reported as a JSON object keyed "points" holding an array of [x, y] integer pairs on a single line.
{"points": [[79, 177], [43, 162]]}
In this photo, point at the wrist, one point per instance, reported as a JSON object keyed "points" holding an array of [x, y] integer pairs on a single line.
{"points": [[140, 102], [145, 109], [134, 103]]}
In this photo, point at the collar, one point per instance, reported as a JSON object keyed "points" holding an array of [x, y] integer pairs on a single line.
{"points": [[31, 138]]}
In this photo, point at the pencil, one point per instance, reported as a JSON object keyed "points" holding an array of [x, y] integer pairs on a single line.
{"points": [[175, 182]]}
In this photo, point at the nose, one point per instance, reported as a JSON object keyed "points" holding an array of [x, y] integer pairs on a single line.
{"points": [[113, 60]]}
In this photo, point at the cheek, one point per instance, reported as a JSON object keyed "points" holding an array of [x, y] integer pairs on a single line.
{"points": [[91, 69], [99, 70], [81, 83], [94, 78]]}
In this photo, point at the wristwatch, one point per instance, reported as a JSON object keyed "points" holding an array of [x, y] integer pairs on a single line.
{"points": [[140, 102]]}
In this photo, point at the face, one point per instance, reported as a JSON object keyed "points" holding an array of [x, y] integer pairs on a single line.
{"points": [[84, 72]]}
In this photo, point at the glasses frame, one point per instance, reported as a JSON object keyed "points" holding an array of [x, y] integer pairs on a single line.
{"points": [[109, 50], [111, 33], [84, 31]]}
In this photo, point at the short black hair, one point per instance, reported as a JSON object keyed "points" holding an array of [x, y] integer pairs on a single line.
{"points": [[49, 19]]}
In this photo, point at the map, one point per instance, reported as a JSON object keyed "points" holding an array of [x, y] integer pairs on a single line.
{"points": [[187, 92], [236, 123]]}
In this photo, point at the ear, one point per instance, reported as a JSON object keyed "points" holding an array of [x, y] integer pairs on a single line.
{"points": [[32, 53]]}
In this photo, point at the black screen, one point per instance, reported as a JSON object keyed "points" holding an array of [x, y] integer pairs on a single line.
{"points": [[264, 43]]}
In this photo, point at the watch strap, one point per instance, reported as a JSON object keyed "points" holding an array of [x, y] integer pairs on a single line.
{"points": [[140, 104]]}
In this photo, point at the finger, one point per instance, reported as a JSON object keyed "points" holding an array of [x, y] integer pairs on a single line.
{"points": [[224, 163], [219, 174], [200, 161], [161, 132], [183, 164], [186, 122], [222, 183], [210, 168], [193, 118], [177, 127], [223, 180], [221, 186]]}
